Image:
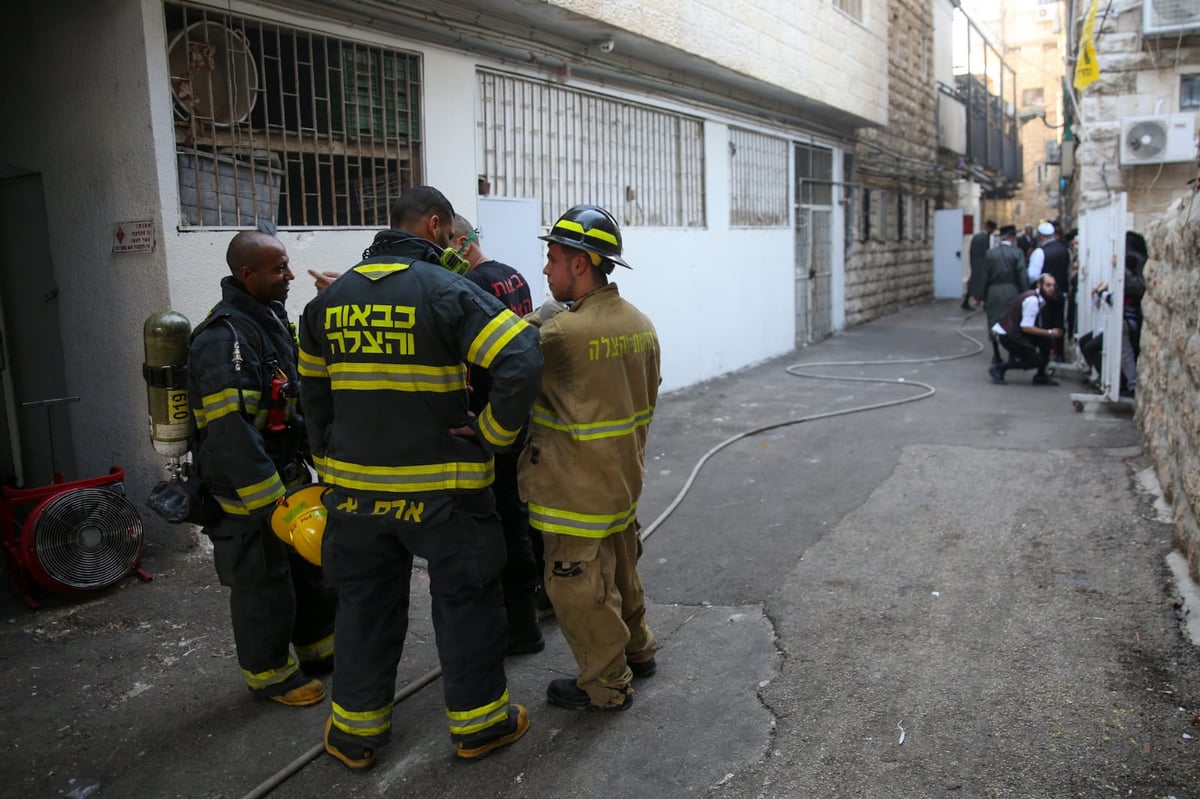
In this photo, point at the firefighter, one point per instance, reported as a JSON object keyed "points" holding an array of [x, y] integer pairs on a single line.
{"points": [[384, 352], [242, 380], [581, 469], [520, 578]]}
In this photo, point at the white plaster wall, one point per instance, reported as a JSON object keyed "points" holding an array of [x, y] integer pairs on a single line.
{"points": [[77, 112], [806, 46]]}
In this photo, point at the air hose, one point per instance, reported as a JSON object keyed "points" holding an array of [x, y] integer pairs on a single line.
{"points": [[799, 370]]}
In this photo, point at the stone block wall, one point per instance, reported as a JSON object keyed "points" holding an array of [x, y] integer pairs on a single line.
{"points": [[891, 266], [1168, 404]]}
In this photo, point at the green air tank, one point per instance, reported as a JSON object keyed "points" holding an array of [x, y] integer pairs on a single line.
{"points": [[165, 336]]}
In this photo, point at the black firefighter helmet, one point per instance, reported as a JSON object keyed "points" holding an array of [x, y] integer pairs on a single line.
{"points": [[592, 229]]}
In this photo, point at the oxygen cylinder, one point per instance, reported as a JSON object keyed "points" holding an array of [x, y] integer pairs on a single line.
{"points": [[165, 336]]}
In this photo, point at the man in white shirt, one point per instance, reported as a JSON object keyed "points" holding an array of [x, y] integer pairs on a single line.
{"points": [[1037, 256], [1021, 333]]}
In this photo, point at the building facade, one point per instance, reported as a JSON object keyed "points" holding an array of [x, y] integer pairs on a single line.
{"points": [[725, 138]]}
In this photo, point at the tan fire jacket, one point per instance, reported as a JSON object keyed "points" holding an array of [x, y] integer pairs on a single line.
{"points": [[581, 469]]}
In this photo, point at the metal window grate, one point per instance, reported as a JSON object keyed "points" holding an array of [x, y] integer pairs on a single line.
{"points": [[279, 125], [566, 147], [758, 179]]}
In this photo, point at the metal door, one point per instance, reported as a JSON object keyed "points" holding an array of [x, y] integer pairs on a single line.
{"points": [[1102, 259], [814, 273], [948, 253], [814, 243]]}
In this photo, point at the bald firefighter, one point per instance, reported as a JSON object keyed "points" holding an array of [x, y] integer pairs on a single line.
{"points": [[581, 469], [384, 351], [242, 387]]}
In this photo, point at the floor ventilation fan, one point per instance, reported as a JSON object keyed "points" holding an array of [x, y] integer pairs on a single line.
{"points": [[70, 537]]}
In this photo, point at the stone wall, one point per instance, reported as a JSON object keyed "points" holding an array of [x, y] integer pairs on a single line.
{"points": [[1168, 404], [890, 260], [1139, 76]]}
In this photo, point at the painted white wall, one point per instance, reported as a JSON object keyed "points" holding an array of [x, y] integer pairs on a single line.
{"points": [[79, 115]]}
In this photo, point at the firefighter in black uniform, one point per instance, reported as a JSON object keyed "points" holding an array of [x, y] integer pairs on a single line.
{"points": [[383, 363], [241, 380], [520, 579]]}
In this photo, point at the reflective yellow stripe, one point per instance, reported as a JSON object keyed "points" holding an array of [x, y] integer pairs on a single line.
{"points": [[397, 377], [253, 497], [495, 433], [265, 679], [611, 428], [310, 365], [376, 271], [586, 525], [465, 722], [368, 722], [596, 233], [495, 334], [225, 402], [405, 479], [317, 650]]}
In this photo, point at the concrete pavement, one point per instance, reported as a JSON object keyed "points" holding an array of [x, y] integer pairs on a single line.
{"points": [[977, 572]]}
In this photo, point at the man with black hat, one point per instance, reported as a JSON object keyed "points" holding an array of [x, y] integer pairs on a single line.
{"points": [[981, 242], [581, 470], [1000, 281], [1026, 334]]}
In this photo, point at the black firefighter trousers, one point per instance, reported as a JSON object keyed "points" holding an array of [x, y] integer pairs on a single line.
{"points": [[276, 598], [369, 559]]}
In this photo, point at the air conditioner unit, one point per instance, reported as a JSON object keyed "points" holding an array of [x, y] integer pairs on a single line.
{"points": [[1158, 139], [1170, 16]]}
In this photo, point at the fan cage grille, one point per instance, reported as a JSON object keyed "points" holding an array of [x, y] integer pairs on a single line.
{"points": [[87, 538]]}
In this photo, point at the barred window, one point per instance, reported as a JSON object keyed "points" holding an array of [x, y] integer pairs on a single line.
{"points": [[565, 147], [852, 8], [757, 179], [278, 125]]}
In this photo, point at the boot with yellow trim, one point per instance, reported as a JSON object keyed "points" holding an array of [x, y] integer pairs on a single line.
{"points": [[484, 742], [342, 745], [298, 690]]}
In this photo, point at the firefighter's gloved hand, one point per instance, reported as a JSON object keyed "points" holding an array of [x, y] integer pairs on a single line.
{"points": [[544, 312]]}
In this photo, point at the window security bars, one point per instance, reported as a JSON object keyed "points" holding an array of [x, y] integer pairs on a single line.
{"points": [[757, 179], [565, 147], [282, 126]]}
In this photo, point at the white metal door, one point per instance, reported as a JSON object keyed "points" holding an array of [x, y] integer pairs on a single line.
{"points": [[1102, 259], [508, 232], [948, 253]]}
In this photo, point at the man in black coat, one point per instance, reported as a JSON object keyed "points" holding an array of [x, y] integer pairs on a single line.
{"points": [[981, 242]]}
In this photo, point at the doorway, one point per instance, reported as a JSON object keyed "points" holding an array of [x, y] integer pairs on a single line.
{"points": [[814, 243], [35, 437]]}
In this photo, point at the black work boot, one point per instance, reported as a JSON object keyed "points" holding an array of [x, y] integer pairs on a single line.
{"points": [[645, 668], [486, 741], [342, 745], [566, 693], [524, 634]]}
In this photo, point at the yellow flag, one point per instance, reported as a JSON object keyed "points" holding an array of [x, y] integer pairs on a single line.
{"points": [[1087, 68]]}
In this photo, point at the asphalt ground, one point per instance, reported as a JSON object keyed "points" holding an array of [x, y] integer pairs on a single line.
{"points": [[963, 596]]}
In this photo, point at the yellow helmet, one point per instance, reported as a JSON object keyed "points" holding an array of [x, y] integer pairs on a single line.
{"points": [[299, 520]]}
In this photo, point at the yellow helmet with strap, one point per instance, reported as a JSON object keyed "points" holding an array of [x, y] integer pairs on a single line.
{"points": [[299, 520]]}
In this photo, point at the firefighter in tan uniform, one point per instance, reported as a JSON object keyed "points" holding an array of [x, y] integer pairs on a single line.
{"points": [[581, 469]]}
